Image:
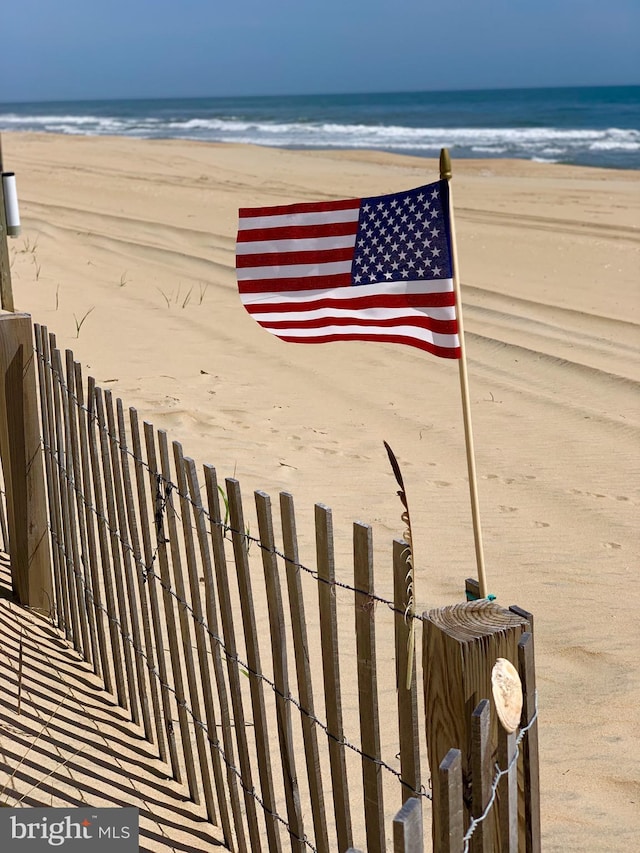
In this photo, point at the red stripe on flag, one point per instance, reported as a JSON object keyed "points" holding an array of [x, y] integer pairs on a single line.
{"points": [[399, 300], [443, 352], [296, 232], [301, 207], [442, 327], [287, 284], [281, 259]]}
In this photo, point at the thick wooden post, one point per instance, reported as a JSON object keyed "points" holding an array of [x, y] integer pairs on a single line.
{"points": [[460, 646], [22, 464]]}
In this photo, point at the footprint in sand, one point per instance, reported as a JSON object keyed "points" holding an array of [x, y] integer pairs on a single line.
{"points": [[508, 508], [541, 524], [612, 546]]}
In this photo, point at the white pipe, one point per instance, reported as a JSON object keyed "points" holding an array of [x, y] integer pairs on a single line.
{"points": [[11, 203]]}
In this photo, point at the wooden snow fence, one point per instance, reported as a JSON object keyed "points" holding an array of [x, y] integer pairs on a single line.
{"points": [[198, 614]]}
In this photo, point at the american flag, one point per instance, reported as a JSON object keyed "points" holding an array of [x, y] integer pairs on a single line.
{"points": [[373, 269]]}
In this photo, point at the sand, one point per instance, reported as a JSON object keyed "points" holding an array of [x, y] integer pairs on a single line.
{"points": [[127, 254]]}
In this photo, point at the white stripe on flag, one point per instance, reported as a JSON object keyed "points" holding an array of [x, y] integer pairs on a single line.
{"points": [[444, 285], [293, 271], [283, 220], [435, 338], [301, 245], [290, 313]]}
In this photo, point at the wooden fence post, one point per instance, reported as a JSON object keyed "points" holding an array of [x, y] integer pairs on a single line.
{"points": [[460, 646], [23, 466]]}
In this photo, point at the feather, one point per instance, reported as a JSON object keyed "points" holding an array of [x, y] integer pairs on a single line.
{"points": [[409, 577]]}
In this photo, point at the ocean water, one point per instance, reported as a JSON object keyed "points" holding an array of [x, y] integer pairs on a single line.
{"points": [[597, 126]]}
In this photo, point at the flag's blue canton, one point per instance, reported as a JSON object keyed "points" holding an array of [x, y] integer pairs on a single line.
{"points": [[403, 237]]}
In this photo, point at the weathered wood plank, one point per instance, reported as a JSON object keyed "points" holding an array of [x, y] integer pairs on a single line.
{"points": [[331, 673], [161, 489], [140, 684], [116, 558], [303, 671], [280, 670], [103, 541], [233, 668], [68, 539], [408, 729], [407, 828], [368, 687], [191, 699], [449, 804], [156, 729], [75, 492], [236, 520], [90, 529], [58, 611], [216, 646], [281, 678], [481, 774], [529, 746], [165, 732], [507, 793], [197, 626]]}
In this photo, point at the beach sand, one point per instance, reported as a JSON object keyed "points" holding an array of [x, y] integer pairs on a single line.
{"points": [[127, 254]]}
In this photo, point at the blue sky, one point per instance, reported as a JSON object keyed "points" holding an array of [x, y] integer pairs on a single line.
{"points": [[75, 49]]}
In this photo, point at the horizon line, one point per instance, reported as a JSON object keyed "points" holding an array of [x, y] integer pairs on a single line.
{"points": [[107, 99]]}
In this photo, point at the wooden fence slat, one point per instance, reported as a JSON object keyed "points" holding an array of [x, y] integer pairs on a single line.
{"points": [[90, 528], [303, 671], [166, 734], [155, 733], [280, 669], [450, 803], [481, 774], [44, 379], [368, 687], [140, 685], [85, 557], [331, 673], [529, 745], [57, 528], [507, 793], [159, 492], [114, 539], [236, 520], [103, 540], [408, 727], [233, 669], [161, 488], [76, 578], [69, 577], [215, 645], [200, 640], [407, 828]]}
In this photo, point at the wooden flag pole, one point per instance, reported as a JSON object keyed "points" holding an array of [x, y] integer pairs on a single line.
{"points": [[445, 175]]}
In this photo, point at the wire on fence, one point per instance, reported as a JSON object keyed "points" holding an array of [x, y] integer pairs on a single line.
{"points": [[228, 529], [496, 780], [166, 487]]}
